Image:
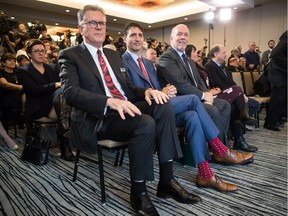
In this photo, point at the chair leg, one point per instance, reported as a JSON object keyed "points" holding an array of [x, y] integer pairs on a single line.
{"points": [[122, 157], [117, 158], [76, 164], [101, 173]]}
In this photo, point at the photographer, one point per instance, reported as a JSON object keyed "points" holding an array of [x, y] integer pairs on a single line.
{"points": [[21, 36]]}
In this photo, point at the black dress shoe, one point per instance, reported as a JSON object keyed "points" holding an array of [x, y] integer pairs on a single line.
{"points": [[272, 127], [143, 205], [241, 144], [175, 191]]}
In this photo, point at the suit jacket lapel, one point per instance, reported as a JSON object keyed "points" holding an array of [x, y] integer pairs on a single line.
{"points": [[86, 55], [181, 62], [134, 65]]}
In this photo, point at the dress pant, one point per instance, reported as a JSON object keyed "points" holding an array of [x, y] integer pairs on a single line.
{"points": [[191, 115], [220, 112], [156, 126], [277, 107]]}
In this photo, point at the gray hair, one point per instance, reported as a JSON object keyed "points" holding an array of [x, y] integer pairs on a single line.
{"points": [[86, 8]]}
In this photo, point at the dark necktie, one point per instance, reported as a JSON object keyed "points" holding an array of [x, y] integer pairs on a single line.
{"points": [[224, 70], [188, 67], [109, 82], [141, 65]]}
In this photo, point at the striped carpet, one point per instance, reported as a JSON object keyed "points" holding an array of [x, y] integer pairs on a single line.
{"points": [[31, 190]]}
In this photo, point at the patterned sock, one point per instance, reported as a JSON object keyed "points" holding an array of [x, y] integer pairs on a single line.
{"points": [[204, 170], [218, 146]]}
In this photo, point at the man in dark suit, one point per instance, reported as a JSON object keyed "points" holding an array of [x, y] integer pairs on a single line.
{"points": [[105, 105], [183, 74], [277, 75], [190, 114], [220, 77]]}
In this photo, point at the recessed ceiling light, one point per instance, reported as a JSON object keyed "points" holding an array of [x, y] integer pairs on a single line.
{"points": [[12, 18], [149, 26], [67, 11], [235, 8], [114, 19], [56, 24], [185, 18], [119, 32]]}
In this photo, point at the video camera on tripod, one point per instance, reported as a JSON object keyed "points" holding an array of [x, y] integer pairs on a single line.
{"points": [[6, 24]]}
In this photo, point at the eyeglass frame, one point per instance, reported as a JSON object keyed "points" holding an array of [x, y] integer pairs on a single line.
{"points": [[37, 51], [96, 23]]}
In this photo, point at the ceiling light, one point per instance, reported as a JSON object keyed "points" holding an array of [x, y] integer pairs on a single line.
{"points": [[185, 18], [209, 16], [225, 14], [67, 11], [114, 19], [235, 8], [119, 33], [12, 18], [56, 24], [149, 26]]}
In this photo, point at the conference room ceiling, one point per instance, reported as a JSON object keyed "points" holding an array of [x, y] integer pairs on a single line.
{"points": [[150, 13]]}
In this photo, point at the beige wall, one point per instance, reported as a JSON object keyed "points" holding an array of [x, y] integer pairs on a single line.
{"points": [[258, 24]]}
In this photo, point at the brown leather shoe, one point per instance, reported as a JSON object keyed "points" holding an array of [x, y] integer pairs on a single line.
{"points": [[233, 157], [216, 183]]}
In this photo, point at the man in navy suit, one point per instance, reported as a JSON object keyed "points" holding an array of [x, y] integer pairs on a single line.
{"points": [[105, 105], [189, 112]]}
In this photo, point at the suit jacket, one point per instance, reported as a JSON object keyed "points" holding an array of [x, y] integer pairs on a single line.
{"points": [[217, 77], [84, 90], [38, 88], [171, 69], [138, 78], [265, 57], [277, 68]]}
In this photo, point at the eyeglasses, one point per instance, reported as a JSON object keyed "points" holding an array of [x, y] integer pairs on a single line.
{"points": [[39, 51], [94, 24]]}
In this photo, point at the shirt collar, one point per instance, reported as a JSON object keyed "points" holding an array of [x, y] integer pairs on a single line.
{"points": [[178, 52], [134, 56], [92, 49]]}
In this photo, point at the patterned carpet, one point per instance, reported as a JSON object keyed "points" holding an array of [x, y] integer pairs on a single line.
{"points": [[28, 190]]}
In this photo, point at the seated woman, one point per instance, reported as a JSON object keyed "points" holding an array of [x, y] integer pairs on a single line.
{"points": [[10, 91], [7, 139], [41, 84], [233, 94]]}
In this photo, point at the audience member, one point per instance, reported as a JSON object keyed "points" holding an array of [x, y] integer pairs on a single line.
{"points": [[22, 51], [232, 65], [242, 65], [277, 75], [100, 97], [22, 60], [239, 47], [220, 77], [266, 53], [182, 73], [190, 114], [41, 85], [151, 55], [234, 54], [10, 92], [252, 57]]}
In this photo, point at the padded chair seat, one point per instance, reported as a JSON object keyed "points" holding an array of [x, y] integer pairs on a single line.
{"points": [[261, 100], [111, 143], [45, 120]]}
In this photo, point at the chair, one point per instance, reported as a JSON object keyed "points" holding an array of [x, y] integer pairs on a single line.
{"points": [[102, 144], [237, 78], [249, 91]]}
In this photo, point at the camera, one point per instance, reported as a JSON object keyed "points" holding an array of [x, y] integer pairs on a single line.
{"points": [[69, 34], [6, 24], [35, 29]]}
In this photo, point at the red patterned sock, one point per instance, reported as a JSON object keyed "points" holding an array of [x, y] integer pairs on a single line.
{"points": [[218, 146], [204, 170]]}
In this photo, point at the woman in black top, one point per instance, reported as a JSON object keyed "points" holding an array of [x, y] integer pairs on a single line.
{"points": [[10, 91], [41, 84]]}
